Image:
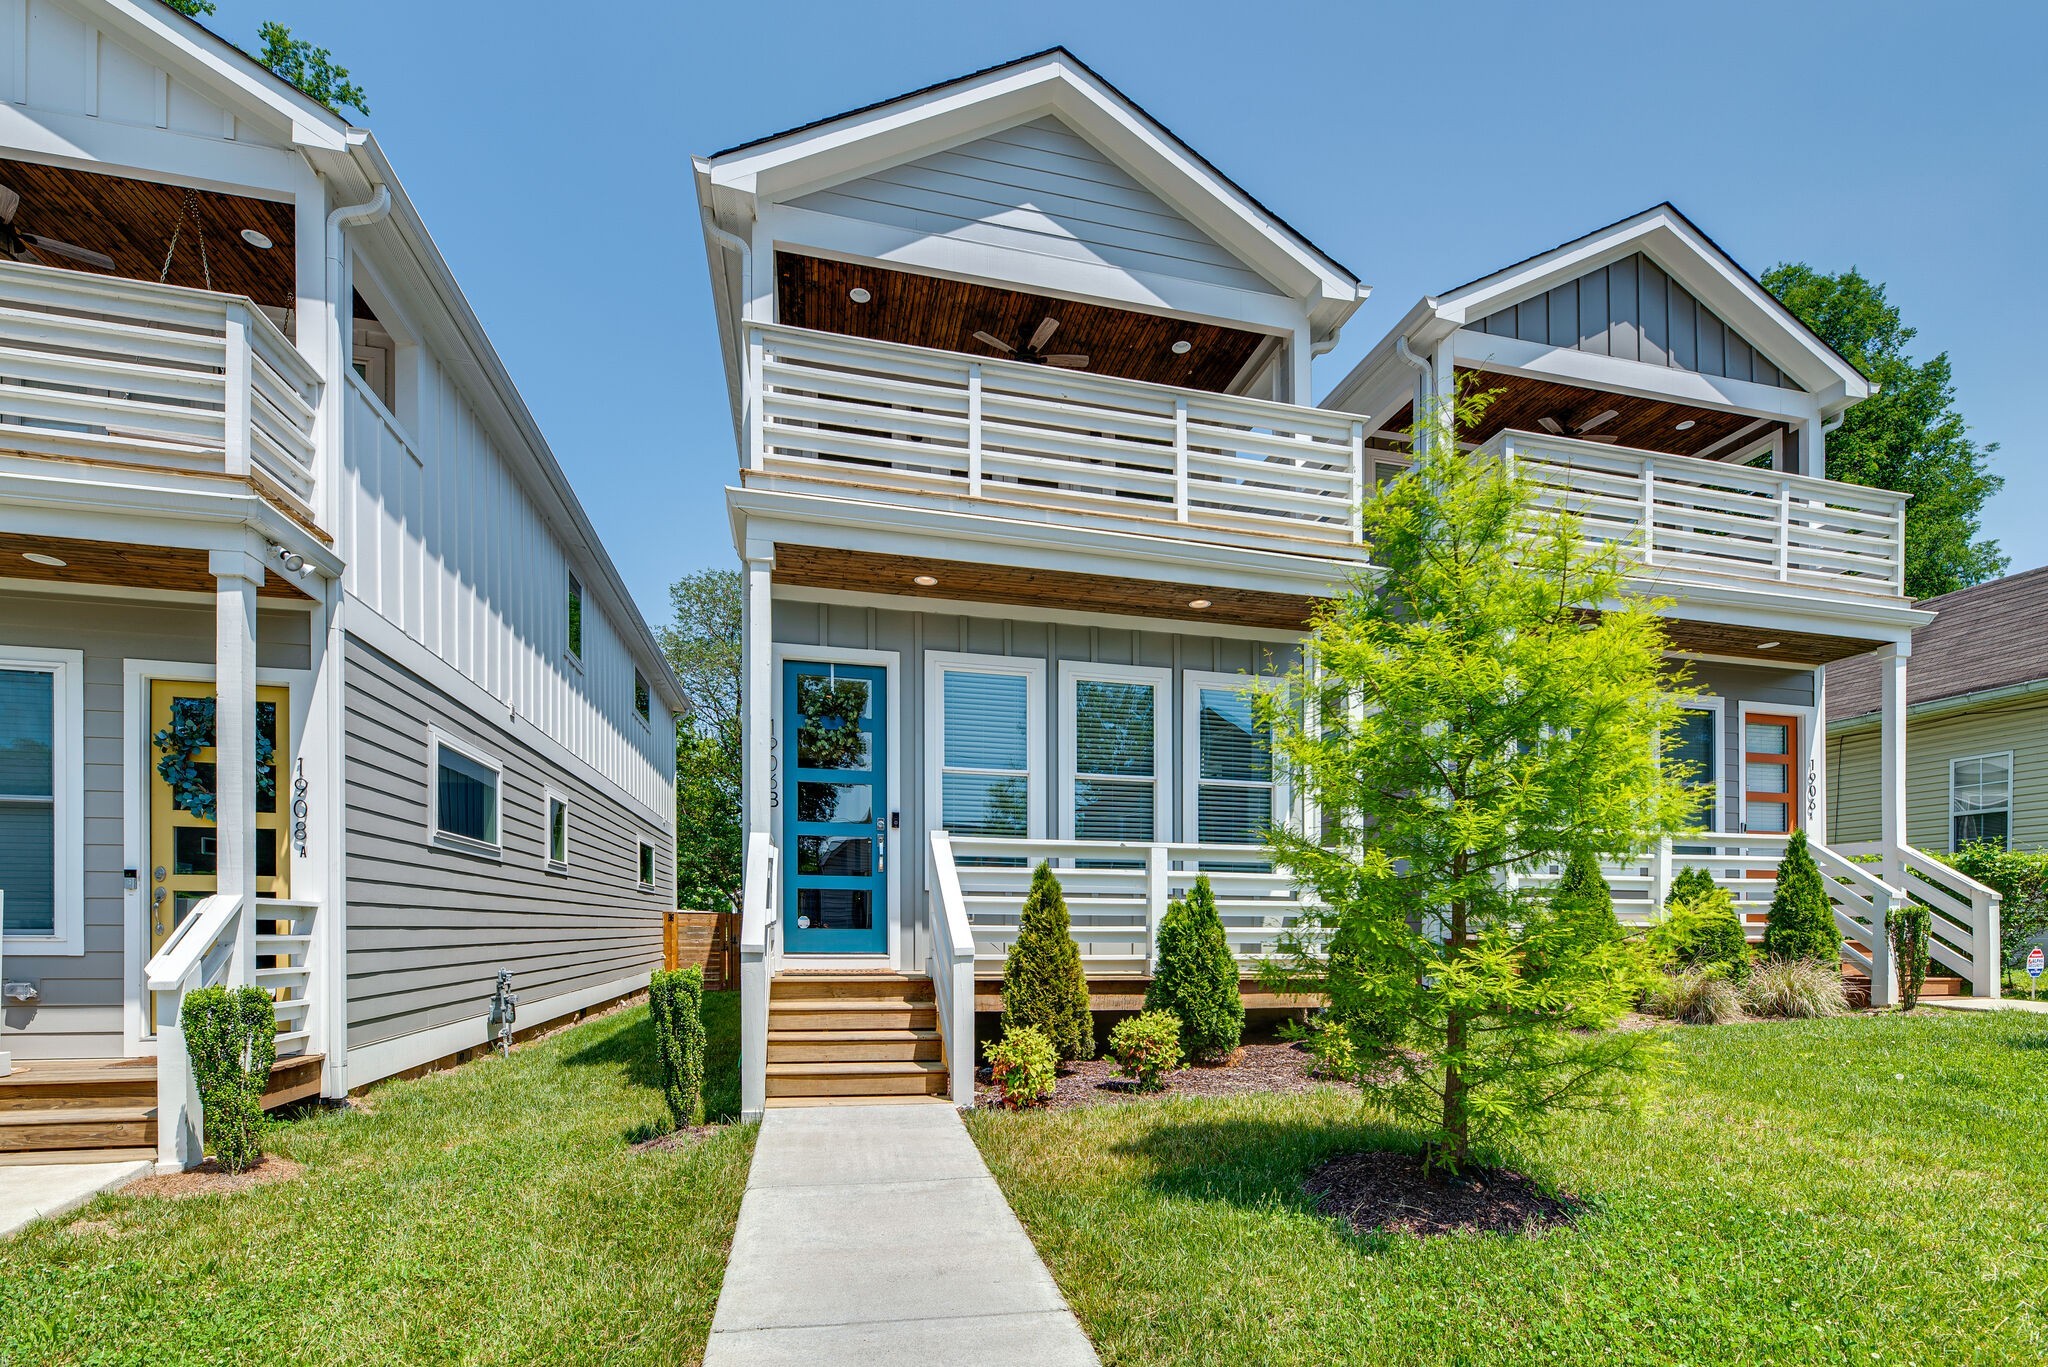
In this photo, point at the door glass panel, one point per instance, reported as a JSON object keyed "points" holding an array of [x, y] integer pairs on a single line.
{"points": [[835, 802], [266, 757], [193, 850], [1768, 818], [1766, 738], [1767, 778], [829, 727], [838, 856], [834, 909]]}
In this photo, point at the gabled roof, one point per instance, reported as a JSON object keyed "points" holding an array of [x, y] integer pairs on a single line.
{"points": [[1985, 639], [1682, 251], [1054, 81]]}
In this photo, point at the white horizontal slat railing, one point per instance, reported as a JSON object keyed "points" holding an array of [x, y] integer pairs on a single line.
{"points": [[1687, 520], [759, 951], [951, 967], [1963, 914], [904, 421], [1117, 893], [100, 368]]}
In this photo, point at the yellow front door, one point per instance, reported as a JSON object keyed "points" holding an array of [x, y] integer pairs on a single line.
{"points": [[183, 855]]}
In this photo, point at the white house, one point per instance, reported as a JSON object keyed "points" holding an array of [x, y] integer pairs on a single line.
{"points": [[313, 673], [1032, 490]]}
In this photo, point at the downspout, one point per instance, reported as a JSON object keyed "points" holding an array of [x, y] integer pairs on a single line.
{"points": [[1425, 376]]}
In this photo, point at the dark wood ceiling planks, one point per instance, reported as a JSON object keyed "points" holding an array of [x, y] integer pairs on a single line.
{"points": [[123, 566], [1645, 424]]}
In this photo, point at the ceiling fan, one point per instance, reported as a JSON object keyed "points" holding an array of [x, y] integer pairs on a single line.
{"points": [[31, 247], [1033, 350], [1583, 431]]}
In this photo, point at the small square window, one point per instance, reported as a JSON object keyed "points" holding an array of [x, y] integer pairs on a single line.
{"points": [[646, 865], [642, 699], [558, 830], [575, 617]]}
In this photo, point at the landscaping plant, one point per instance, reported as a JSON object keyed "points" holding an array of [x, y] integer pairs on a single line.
{"points": [[1695, 996], [675, 1002], [1493, 704], [1701, 929], [1795, 989], [1908, 926], [2020, 877], [1801, 924], [1023, 1065], [1043, 982], [1146, 1046], [1583, 908], [231, 1038], [1197, 976]]}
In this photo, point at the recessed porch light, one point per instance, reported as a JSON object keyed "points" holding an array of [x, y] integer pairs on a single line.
{"points": [[1198, 602], [1687, 425], [1768, 645], [260, 241], [925, 581], [37, 557], [859, 294], [1183, 347]]}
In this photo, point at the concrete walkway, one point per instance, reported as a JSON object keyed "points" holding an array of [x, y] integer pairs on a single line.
{"points": [[1986, 1004], [33, 1191], [874, 1234]]}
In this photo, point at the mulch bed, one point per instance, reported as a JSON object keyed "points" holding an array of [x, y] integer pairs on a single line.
{"points": [[208, 1180], [1389, 1192], [1261, 1066]]}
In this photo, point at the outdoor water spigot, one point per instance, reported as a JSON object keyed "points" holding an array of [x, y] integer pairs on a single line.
{"points": [[504, 1010]]}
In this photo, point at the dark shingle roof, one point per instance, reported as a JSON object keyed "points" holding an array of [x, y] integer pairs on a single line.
{"points": [[1990, 636]]}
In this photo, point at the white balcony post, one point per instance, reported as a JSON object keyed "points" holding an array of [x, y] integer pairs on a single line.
{"points": [[1660, 875], [235, 420], [1358, 489], [757, 455], [1899, 549], [1784, 529], [1180, 460], [237, 576], [1892, 755], [1156, 888], [974, 431], [1649, 512], [758, 680]]}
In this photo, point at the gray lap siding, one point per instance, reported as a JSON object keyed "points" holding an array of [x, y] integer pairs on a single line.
{"points": [[429, 926]]}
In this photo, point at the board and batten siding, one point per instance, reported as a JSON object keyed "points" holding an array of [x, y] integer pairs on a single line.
{"points": [[430, 926], [1633, 310], [443, 543], [1932, 744], [1040, 189], [910, 634], [53, 58], [78, 1009]]}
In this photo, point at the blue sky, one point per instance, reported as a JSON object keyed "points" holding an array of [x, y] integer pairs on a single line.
{"points": [[548, 148]]}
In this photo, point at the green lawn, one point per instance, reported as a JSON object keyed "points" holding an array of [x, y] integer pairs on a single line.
{"points": [[493, 1213], [1867, 1190]]}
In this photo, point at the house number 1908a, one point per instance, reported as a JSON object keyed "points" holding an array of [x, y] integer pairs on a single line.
{"points": [[299, 808]]}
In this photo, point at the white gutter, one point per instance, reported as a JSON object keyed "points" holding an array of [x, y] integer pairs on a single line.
{"points": [[1939, 707], [369, 211]]}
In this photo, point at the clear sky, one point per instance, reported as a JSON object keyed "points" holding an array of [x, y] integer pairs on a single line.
{"points": [[548, 148]]}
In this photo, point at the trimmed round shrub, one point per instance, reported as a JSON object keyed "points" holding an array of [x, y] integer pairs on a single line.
{"points": [[1197, 976], [1696, 996], [1145, 1047], [675, 1002], [1703, 930], [1043, 983], [1795, 989], [1024, 1067], [1802, 920]]}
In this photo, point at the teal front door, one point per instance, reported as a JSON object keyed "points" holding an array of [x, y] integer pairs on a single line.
{"points": [[835, 795]]}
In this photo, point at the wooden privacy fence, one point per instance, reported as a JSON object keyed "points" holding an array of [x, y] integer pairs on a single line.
{"points": [[709, 939]]}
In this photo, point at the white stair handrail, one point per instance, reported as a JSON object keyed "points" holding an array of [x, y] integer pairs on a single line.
{"points": [[202, 931], [182, 966], [952, 968], [757, 938]]}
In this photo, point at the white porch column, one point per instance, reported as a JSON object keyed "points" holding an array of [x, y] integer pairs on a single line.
{"points": [[1816, 796], [1884, 986], [237, 575], [757, 702]]}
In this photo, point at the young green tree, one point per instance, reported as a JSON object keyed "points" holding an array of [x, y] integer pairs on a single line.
{"points": [[311, 69], [1043, 983], [1494, 703], [1197, 976], [1801, 922], [702, 643], [1908, 436]]}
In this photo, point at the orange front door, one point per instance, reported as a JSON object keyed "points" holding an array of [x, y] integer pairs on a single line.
{"points": [[1770, 773]]}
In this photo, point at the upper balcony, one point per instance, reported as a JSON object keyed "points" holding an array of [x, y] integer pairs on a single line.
{"points": [[129, 373]]}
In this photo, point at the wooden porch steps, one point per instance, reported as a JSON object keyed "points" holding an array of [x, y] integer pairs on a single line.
{"points": [[104, 1110], [849, 1038]]}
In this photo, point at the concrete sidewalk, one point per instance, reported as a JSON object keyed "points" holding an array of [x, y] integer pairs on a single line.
{"points": [[1986, 1004], [874, 1234], [35, 1191]]}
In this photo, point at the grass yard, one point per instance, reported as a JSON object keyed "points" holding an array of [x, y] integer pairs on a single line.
{"points": [[1866, 1190], [494, 1213]]}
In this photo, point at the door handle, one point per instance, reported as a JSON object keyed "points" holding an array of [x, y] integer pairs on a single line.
{"points": [[881, 844]]}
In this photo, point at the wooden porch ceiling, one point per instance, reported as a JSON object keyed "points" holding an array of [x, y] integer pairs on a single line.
{"points": [[132, 221], [1760, 644], [1645, 424], [872, 572], [926, 310], [121, 566]]}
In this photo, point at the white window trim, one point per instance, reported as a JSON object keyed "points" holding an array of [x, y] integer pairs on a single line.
{"points": [[640, 679], [1708, 702], [1032, 671], [2011, 791], [436, 738], [549, 797], [67, 790], [652, 852], [572, 580], [1075, 672], [1806, 764], [1192, 682]]}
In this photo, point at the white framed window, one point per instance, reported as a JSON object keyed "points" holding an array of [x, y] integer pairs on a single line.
{"points": [[556, 833], [463, 808], [575, 622], [1234, 791], [643, 697], [1980, 800], [1115, 756], [42, 794], [1696, 741], [646, 866], [985, 733]]}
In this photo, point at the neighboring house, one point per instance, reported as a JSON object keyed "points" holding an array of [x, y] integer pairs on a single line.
{"points": [[1977, 724], [1032, 491], [273, 513]]}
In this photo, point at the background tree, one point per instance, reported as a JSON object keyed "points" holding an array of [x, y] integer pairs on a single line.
{"points": [[1908, 436], [702, 643], [310, 68], [1477, 721]]}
